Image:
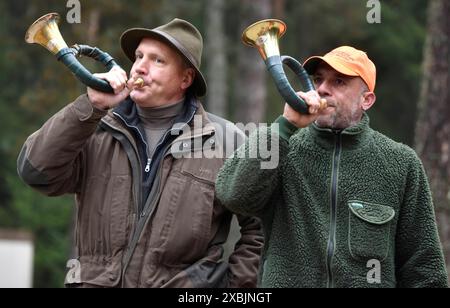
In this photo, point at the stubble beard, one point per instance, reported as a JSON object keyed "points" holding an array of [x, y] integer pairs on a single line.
{"points": [[340, 119]]}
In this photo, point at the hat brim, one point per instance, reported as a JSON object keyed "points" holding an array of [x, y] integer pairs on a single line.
{"points": [[311, 64], [131, 39]]}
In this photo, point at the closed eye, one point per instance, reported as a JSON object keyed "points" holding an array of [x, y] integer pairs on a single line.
{"points": [[340, 82], [138, 55], [317, 80]]}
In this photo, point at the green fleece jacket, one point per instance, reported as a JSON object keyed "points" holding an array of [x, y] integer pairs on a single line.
{"points": [[341, 209]]}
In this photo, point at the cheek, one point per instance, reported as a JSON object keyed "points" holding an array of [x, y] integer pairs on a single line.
{"points": [[160, 74]]}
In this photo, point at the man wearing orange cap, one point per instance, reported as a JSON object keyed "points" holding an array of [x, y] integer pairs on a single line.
{"points": [[347, 206]]}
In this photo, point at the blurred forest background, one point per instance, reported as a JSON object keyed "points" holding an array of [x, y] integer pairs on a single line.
{"points": [[410, 47]]}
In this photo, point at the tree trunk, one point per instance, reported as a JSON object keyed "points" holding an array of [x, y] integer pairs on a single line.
{"points": [[279, 8], [215, 55], [168, 10], [94, 22], [433, 127], [251, 88]]}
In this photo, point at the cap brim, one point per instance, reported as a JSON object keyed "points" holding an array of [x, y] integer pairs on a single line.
{"points": [[311, 64], [131, 39]]}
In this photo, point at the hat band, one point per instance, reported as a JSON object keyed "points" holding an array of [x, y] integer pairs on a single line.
{"points": [[180, 47]]}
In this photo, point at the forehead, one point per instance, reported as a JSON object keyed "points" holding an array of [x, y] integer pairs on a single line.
{"points": [[150, 44], [324, 69]]}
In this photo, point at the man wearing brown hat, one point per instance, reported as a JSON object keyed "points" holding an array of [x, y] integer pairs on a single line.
{"points": [[347, 206], [147, 215]]}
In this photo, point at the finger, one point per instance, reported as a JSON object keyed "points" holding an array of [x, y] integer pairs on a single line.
{"points": [[115, 79], [107, 77], [315, 101], [117, 69], [302, 95], [122, 79], [117, 83], [312, 109], [120, 72], [100, 75], [129, 83], [314, 105]]}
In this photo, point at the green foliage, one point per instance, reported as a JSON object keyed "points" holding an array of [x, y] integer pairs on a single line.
{"points": [[35, 85]]}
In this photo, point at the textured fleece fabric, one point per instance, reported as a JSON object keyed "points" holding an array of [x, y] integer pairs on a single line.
{"points": [[342, 209]]}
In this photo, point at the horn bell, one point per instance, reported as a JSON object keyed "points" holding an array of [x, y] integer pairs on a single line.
{"points": [[264, 35], [45, 32]]}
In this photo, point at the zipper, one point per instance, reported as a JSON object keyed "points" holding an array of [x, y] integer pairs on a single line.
{"points": [[150, 205], [152, 198], [147, 167], [149, 160], [331, 247], [140, 225]]}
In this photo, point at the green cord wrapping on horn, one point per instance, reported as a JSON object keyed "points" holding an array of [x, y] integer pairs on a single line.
{"points": [[68, 57], [275, 67]]}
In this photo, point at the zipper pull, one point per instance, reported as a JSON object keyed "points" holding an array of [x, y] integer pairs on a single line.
{"points": [[147, 167]]}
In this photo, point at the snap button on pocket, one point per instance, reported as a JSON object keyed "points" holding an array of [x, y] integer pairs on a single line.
{"points": [[356, 205]]}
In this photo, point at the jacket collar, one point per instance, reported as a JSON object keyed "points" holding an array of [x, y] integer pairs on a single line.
{"points": [[128, 113], [128, 116], [351, 137]]}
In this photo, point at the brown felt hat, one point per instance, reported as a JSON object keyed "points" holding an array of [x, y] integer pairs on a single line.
{"points": [[179, 34]]}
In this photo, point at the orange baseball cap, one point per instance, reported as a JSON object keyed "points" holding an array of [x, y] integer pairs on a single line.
{"points": [[348, 61]]}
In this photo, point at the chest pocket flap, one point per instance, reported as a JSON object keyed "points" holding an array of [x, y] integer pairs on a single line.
{"points": [[373, 213]]}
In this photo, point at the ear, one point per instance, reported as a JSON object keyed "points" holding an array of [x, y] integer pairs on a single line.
{"points": [[369, 99], [188, 78]]}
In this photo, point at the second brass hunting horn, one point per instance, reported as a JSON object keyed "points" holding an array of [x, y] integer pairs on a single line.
{"points": [[264, 36]]}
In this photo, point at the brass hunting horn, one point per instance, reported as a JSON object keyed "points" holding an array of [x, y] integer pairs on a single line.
{"points": [[45, 32], [264, 36]]}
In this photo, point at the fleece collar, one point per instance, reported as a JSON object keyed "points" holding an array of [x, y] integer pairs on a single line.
{"points": [[352, 137]]}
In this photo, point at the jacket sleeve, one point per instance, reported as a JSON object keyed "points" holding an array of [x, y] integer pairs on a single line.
{"points": [[51, 158], [244, 261], [247, 180], [419, 257]]}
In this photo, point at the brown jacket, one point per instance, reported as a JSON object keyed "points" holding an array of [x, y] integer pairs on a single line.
{"points": [[177, 239]]}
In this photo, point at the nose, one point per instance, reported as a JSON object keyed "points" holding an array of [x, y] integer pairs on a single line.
{"points": [[140, 67], [323, 89]]}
